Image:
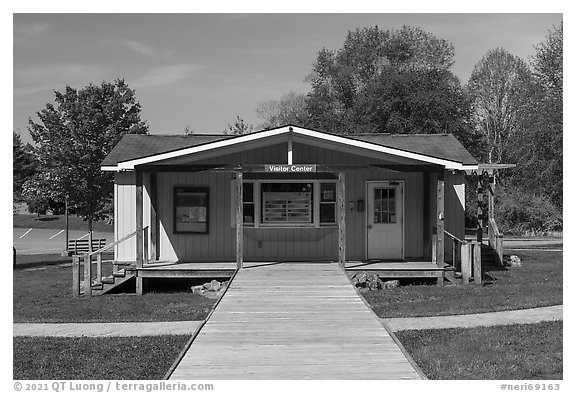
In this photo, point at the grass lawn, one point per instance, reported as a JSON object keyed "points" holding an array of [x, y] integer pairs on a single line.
{"points": [[44, 294], [537, 283], [95, 357], [532, 351], [29, 260], [58, 222]]}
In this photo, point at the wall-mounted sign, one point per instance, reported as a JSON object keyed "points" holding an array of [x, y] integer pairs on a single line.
{"points": [[294, 168], [190, 210]]}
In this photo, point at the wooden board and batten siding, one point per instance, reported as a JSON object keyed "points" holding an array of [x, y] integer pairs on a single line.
{"points": [[299, 243]]}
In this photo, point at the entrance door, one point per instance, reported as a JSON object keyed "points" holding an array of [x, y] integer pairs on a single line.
{"points": [[385, 220]]}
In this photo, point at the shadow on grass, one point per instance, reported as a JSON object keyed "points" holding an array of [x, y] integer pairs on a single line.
{"points": [[44, 294]]}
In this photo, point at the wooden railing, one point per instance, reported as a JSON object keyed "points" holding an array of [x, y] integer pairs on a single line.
{"points": [[456, 245], [471, 262], [496, 241], [466, 257], [88, 264]]}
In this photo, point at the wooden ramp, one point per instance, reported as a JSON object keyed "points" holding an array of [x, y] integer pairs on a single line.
{"points": [[293, 321]]}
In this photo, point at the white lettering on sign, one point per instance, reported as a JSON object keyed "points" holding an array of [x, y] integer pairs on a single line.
{"points": [[289, 168]]}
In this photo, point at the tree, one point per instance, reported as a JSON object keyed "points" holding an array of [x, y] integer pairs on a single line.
{"points": [[547, 62], [238, 128], [538, 149], [36, 199], [188, 130], [75, 135], [500, 87], [289, 109], [23, 164], [395, 81]]}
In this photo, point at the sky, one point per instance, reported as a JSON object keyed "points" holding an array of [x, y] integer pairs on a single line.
{"points": [[203, 70]]}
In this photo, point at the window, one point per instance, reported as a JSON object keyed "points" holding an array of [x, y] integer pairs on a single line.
{"points": [[384, 205], [276, 203], [190, 210], [287, 203], [248, 203], [327, 203]]}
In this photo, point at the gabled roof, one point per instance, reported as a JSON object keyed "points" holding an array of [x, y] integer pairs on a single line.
{"points": [[133, 146], [442, 149]]}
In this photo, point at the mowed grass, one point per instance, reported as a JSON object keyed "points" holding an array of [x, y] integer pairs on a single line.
{"points": [[137, 358], [537, 283], [44, 294], [58, 222], [532, 351]]}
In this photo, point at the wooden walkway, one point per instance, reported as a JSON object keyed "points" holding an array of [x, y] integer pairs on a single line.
{"points": [[293, 321]]}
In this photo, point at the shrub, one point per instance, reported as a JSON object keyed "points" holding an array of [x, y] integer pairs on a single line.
{"points": [[519, 212]]}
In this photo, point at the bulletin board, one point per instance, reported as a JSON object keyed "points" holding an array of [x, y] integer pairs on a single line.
{"points": [[191, 210]]}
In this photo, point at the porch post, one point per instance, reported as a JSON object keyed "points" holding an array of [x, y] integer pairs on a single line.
{"points": [[341, 197], [480, 197], [139, 234], [426, 210], [440, 223], [153, 219], [491, 190], [239, 220]]}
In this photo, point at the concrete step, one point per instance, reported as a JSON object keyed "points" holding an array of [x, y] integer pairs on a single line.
{"points": [[122, 263], [119, 273], [108, 280]]}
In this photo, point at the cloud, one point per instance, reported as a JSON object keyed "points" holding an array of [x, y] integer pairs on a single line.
{"points": [[139, 47], [169, 74]]}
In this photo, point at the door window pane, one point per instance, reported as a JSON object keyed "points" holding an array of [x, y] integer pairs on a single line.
{"points": [[384, 205]]}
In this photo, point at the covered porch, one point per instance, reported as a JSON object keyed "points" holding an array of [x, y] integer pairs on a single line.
{"points": [[201, 206], [432, 264]]}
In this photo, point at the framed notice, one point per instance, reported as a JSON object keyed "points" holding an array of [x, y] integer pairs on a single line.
{"points": [[190, 210]]}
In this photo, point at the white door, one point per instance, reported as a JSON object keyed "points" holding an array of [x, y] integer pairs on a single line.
{"points": [[385, 220]]}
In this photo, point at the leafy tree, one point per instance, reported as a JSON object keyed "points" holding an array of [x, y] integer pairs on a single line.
{"points": [[73, 137], [500, 87], [23, 164], [547, 63], [238, 128], [289, 109], [36, 199], [538, 149], [395, 81]]}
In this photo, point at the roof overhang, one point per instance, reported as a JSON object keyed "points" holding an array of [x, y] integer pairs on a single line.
{"points": [[298, 134]]}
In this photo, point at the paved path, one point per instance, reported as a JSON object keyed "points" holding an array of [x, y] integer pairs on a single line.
{"points": [[105, 329], [30, 241], [293, 321], [532, 315]]}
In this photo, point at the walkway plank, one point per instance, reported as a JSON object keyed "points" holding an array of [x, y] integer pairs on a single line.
{"points": [[293, 321]]}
